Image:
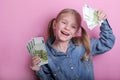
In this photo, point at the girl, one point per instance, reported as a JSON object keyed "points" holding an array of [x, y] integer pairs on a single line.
{"points": [[70, 57]]}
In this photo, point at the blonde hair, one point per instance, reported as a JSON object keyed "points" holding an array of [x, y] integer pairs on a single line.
{"points": [[84, 39]]}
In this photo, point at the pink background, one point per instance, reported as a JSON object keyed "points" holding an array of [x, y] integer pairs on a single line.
{"points": [[20, 20]]}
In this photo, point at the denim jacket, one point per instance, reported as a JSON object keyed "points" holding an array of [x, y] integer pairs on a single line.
{"points": [[69, 66]]}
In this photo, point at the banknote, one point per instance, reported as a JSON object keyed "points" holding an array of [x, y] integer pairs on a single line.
{"points": [[36, 47], [90, 15]]}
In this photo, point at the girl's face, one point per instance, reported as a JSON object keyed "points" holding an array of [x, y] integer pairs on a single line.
{"points": [[65, 27]]}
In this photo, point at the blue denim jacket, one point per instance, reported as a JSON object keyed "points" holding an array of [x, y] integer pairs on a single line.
{"points": [[69, 66]]}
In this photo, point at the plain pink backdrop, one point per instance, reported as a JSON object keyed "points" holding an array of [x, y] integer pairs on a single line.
{"points": [[20, 20]]}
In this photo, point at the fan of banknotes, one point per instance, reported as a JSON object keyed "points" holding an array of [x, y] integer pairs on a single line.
{"points": [[90, 15], [36, 47]]}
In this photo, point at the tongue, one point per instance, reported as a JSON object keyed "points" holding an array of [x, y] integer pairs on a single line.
{"points": [[65, 33]]}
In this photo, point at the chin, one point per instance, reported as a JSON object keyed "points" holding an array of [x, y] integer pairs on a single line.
{"points": [[65, 39]]}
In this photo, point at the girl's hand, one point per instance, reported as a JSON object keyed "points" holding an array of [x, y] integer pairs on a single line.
{"points": [[102, 15], [35, 61]]}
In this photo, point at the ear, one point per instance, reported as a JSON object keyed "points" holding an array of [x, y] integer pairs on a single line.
{"points": [[54, 24]]}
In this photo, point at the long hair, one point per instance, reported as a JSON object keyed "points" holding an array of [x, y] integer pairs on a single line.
{"points": [[84, 39]]}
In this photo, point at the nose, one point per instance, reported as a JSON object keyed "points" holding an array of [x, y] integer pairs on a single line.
{"points": [[67, 27]]}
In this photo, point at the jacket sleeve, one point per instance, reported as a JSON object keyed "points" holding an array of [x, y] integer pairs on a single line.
{"points": [[106, 40], [44, 73]]}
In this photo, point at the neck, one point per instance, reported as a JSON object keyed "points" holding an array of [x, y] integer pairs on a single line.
{"points": [[60, 45]]}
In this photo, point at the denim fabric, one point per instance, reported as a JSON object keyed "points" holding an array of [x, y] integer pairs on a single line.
{"points": [[69, 66]]}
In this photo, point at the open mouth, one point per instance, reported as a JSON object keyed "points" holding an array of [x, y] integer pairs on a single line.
{"points": [[65, 33]]}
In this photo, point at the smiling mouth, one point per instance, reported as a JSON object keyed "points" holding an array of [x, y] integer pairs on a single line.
{"points": [[65, 33]]}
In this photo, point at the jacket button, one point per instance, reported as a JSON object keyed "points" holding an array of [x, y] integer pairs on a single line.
{"points": [[71, 67], [54, 74]]}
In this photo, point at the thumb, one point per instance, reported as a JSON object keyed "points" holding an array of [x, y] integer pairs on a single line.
{"points": [[35, 68], [31, 67]]}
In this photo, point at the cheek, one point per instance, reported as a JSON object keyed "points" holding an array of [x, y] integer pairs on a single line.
{"points": [[74, 33], [56, 30]]}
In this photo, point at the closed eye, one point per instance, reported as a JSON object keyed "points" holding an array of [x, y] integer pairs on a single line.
{"points": [[63, 22], [74, 27]]}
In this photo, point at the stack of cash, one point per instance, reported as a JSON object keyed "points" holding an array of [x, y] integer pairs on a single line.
{"points": [[36, 47], [91, 17]]}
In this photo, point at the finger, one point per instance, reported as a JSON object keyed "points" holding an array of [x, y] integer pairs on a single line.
{"points": [[36, 61], [105, 17], [35, 57], [31, 67], [35, 68], [102, 15], [99, 12]]}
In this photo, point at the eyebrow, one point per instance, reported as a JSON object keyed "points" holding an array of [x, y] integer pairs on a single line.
{"points": [[64, 19], [72, 24]]}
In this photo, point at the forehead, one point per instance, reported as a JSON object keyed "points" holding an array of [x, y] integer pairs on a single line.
{"points": [[68, 17]]}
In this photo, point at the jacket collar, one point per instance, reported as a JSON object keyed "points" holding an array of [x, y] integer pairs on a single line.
{"points": [[57, 52]]}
